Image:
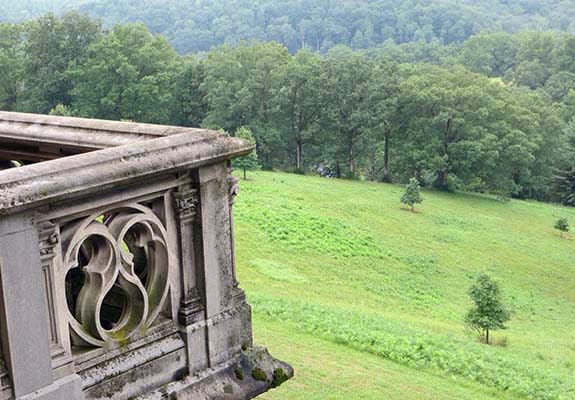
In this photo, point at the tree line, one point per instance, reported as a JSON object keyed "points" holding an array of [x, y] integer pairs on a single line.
{"points": [[451, 121], [318, 25]]}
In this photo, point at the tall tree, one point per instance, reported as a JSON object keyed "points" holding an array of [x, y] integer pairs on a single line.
{"points": [[129, 74], [300, 102], [385, 97], [11, 65], [464, 127], [565, 186], [52, 46], [490, 53], [191, 105], [240, 90], [347, 83]]}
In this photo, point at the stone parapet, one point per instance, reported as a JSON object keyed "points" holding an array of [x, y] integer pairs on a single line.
{"points": [[117, 271]]}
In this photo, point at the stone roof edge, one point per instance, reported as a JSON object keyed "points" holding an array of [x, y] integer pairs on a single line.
{"points": [[38, 184], [85, 133]]}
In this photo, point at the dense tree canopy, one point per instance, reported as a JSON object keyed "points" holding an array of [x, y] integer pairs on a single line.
{"points": [[129, 74], [493, 114], [199, 25]]}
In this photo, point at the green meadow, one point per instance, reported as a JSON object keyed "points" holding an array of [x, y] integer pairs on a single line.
{"points": [[367, 300]]}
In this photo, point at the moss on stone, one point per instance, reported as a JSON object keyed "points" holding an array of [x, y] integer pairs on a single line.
{"points": [[259, 375], [239, 373], [279, 377]]}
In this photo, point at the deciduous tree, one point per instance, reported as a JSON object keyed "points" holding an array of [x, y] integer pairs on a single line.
{"points": [[250, 161], [488, 313]]}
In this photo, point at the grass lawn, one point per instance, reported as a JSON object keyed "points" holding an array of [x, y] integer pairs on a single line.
{"points": [[366, 300]]}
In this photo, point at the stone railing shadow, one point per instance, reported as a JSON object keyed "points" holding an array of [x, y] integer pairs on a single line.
{"points": [[117, 270]]}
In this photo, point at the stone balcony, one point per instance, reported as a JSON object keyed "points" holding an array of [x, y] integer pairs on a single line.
{"points": [[117, 270]]}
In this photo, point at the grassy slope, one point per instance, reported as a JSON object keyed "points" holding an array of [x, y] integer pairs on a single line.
{"points": [[366, 300]]}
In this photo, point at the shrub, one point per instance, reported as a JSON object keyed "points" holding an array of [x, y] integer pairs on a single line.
{"points": [[412, 195], [562, 225]]}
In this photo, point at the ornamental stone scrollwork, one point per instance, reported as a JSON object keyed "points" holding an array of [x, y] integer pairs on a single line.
{"points": [[186, 203], [117, 268], [48, 239]]}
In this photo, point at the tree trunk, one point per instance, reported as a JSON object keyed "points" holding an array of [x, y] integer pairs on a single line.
{"points": [[299, 150], [487, 336], [244, 174], [350, 160], [372, 165], [442, 176], [442, 180], [386, 144]]}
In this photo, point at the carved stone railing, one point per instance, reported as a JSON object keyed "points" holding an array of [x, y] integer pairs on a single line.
{"points": [[117, 270]]}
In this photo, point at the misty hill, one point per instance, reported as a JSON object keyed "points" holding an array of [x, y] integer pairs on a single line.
{"points": [[21, 10], [198, 25]]}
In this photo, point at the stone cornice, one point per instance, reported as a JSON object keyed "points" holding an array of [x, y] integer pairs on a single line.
{"points": [[78, 133], [164, 150]]}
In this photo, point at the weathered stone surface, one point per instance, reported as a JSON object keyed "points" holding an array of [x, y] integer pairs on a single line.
{"points": [[23, 306], [117, 272], [234, 380], [53, 180]]}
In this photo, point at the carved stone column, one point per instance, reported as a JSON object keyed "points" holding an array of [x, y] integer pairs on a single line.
{"points": [[49, 236], [192, 311], [186, 201]]}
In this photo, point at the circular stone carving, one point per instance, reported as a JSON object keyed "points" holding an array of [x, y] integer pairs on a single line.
{"points": [[123, 257]]}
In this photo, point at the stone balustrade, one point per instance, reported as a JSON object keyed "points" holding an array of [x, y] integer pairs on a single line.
{"points": [[117, 270]]}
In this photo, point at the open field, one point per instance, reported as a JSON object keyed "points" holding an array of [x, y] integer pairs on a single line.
{"points": [[367, 300]]}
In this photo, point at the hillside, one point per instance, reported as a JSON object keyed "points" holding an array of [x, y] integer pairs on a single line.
{"points": [[367, 300], [198, 25]]}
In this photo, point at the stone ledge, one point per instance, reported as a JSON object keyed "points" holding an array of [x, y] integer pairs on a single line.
{"points": [[247, 376], [49, 181], [79, 133]]}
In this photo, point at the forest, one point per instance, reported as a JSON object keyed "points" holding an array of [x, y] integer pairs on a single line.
{"points": [[492, 114], [318, 25], [198, 25]]}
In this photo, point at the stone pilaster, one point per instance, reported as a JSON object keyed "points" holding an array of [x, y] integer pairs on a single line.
{"points": [[49, 239], [24, 330], [186, 204]]}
